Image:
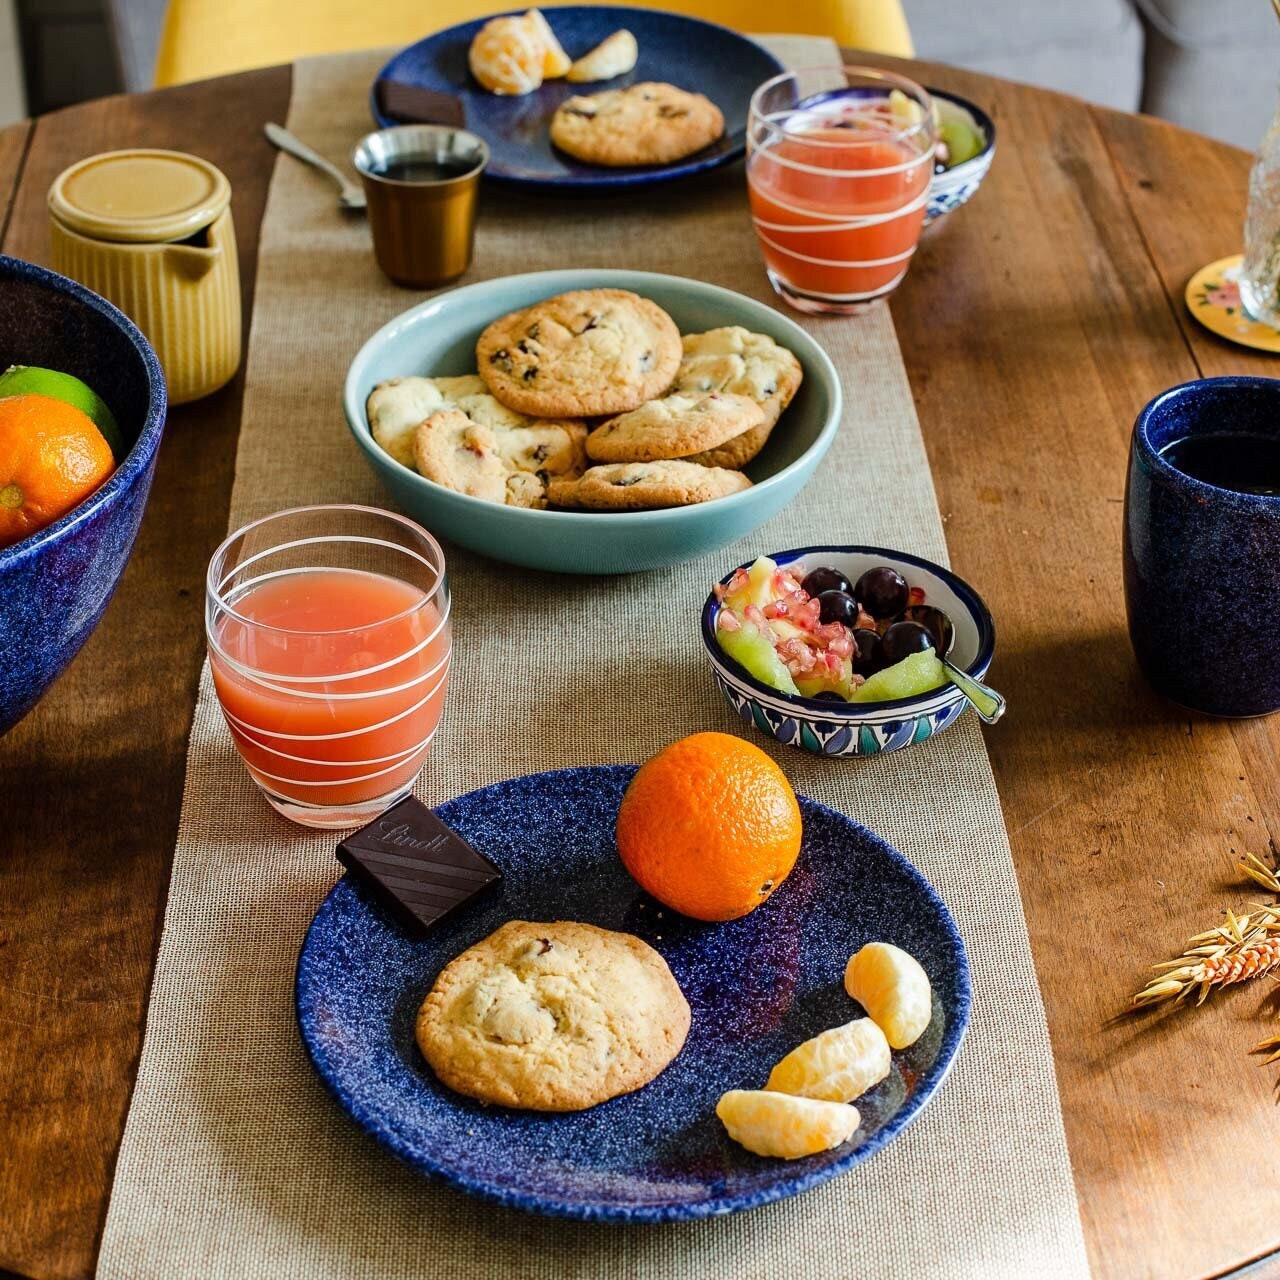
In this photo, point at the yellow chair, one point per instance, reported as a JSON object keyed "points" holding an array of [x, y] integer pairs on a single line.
{"points": [[204, 38]]}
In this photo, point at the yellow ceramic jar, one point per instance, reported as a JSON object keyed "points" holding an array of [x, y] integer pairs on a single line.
{"points": [[151, 231]]}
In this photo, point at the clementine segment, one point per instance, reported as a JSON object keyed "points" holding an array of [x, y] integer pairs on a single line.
{"points": [[710, 827], [51, 458]]}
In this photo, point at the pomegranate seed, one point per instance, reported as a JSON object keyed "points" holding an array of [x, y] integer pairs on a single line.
{"points": [[727, 620], [809, 615], [797, 655], [784, 584]]}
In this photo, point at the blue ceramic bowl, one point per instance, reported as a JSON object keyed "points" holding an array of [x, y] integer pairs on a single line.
{"points": [[438, 337], [1202, 564], [717, 62], [828, 728], [952, 188], [55, 584]]}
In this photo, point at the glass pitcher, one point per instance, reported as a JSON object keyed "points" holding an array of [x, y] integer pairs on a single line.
{"points": [[1260, 274]]}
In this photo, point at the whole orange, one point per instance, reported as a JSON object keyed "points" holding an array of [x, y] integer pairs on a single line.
{"points": [[51, 457], [710, 827]]}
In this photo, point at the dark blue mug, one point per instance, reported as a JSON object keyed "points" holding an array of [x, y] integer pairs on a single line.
{"points": [[1202, 562]]}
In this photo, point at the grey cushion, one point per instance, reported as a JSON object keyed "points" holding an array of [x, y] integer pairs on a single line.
{"points": [[1090, 48], [1212, 66], [135, 33], [1207, 24]]}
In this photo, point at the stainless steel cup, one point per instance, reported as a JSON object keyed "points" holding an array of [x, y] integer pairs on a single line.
{"points": [[422, 183]]}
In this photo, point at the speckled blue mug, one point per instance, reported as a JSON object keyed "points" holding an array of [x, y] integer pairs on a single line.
{"points": [[1201, 563]]}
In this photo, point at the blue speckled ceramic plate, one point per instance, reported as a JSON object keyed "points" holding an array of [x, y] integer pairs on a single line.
{"points": [[757, 987], [686, 52]]}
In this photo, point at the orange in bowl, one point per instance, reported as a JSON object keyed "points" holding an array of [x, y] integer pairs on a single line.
{"points": [[710, 827], [51, 458]]}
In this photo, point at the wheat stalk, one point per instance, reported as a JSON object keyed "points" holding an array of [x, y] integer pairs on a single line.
{"points": [[1272, 1044], [1251, 865], [1243, 948]]}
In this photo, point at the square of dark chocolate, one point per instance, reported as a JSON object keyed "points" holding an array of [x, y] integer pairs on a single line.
{"points": [[418, 867], [416, 104]]}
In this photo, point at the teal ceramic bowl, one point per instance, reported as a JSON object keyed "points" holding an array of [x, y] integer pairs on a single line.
{"points": [[438, 337]]}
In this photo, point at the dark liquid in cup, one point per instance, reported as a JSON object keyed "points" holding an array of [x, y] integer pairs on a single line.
{"points": [[1245, 463], [424, 170]]}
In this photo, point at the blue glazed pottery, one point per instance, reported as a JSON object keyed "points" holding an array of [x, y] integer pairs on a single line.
{"points": [[688, 52], [55, 584], [830, 728], [953, 187], [438, 337], [757, 987], [1202, 564]]}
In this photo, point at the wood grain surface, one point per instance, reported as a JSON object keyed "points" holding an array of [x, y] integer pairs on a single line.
{"points": [[13, 150], [1035, 324], [91, 782]]}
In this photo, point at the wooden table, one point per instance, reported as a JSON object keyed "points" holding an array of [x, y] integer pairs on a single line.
{"points": [[1034, 324]]}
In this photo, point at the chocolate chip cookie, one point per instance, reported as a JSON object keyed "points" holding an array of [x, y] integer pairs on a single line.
{"points": [[645, 486], [580, 354], [648, 123], [552, 1017], [673, 427], [733, 359], [499, 464], [397, 408]]}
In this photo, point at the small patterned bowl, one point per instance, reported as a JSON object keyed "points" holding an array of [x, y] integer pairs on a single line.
{"points": [[949, 190], [828, 728], [55, 584]]}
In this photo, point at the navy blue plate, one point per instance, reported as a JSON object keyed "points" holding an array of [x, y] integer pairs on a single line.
{"points": [[757, 988], [687, 52]]}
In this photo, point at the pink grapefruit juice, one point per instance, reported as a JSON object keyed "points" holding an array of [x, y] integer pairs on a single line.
{"points": [[332, 682], [839, 210]]}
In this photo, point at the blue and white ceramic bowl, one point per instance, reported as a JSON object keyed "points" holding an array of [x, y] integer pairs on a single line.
{"points": [[952, 188], [438, 337], [828, 728], [55, 584]]}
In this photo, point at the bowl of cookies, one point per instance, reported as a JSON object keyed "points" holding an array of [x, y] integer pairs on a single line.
{"points": [[592, 421]]}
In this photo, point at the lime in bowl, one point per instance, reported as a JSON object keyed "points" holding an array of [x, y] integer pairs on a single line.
{"points": [[902, 704]]}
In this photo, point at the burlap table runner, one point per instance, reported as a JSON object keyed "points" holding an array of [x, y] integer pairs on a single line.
{"points": [[235, 1161]]}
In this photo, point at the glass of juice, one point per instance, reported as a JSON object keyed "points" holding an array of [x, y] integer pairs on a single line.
{"points": [[839, 161], [329, 640]]}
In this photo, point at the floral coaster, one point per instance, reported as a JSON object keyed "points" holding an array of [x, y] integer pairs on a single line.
{"points": [[1213, 298]]}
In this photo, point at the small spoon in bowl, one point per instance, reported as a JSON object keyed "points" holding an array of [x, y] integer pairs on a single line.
{"points": [[982, 698]]}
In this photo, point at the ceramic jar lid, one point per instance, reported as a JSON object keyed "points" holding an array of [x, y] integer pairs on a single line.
{"points": [[139, 196]]}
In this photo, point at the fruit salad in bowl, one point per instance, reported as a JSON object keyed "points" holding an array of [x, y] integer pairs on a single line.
{"points": [[966, 147], [836, 649]]}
